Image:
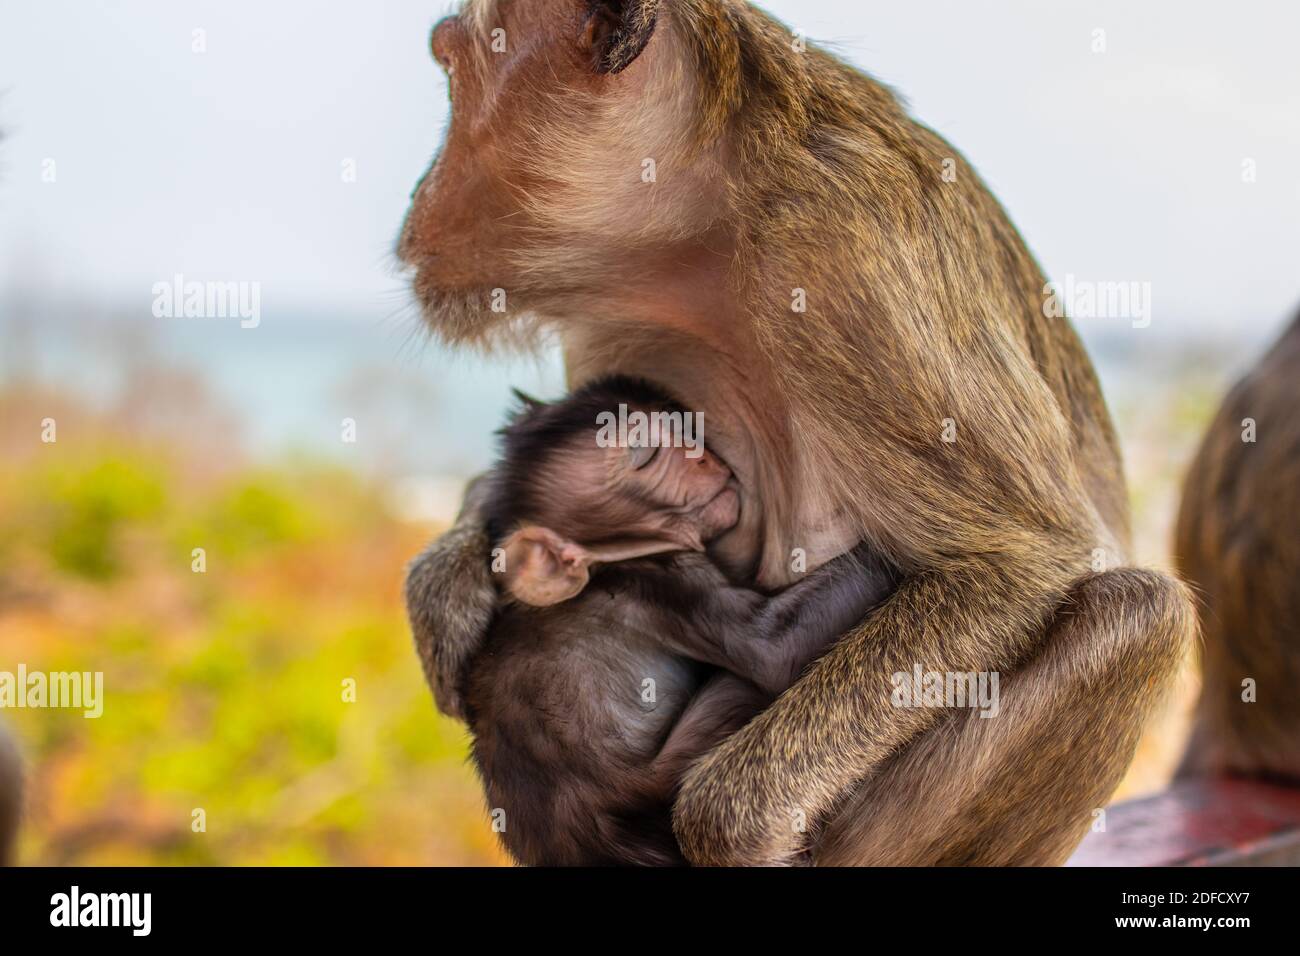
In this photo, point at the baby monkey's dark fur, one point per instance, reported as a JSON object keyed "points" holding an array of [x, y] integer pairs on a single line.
{"points": [[586, 713]]}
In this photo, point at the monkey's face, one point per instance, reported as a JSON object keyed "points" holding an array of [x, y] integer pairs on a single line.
{"points": [[540, 197], [687, 495], [470, 211], [607, 502], [645, 499]]}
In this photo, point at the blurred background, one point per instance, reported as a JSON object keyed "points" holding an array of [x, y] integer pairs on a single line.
{"points": [[277, 144]]}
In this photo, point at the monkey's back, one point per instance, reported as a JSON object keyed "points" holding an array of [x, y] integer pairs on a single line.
{"points": [[1237, 541], [569, 706]]}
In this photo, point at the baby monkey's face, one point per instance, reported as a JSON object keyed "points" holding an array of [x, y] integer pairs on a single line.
{"points": [[685, 491], [670, 490], [599, 499]]}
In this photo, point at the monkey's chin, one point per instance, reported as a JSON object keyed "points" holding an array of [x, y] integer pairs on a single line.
{"points": [[721, 513], [464, 317]]}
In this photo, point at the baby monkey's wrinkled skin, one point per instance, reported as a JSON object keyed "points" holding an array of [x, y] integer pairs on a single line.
{"points": [[622, 653]]}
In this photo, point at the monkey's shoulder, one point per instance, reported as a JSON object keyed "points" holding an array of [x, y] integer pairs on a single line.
{"points": [[678, 583], [585, 644], [581, 669], [595, 668]]}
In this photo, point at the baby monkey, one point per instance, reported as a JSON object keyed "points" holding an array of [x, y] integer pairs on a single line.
{"points": [[622, 653]]}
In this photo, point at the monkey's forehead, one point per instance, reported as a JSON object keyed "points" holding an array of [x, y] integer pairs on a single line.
{"points": [[584, 457]]}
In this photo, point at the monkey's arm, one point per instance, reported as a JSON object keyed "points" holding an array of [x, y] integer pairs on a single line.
{"points": [[769, 640], [450, 598], [737, 803], [720, 708]]}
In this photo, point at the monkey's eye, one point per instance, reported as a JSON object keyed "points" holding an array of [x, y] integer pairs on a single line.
{"points": [[641, 455]]}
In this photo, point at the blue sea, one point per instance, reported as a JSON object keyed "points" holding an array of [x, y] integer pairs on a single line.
{"points": [[418, 408], [290, 381]]}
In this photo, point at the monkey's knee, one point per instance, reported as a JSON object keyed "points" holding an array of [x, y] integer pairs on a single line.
{"points": [[1112, 655], [1020, 788], [1132, 626], [11, 795], [1074, 716]]}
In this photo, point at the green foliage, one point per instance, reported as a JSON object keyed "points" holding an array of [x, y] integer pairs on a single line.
{"points": [[255, 513], [85, 506], [223, 689]]}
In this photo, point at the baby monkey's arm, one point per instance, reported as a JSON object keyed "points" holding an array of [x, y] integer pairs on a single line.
{"points": [[769, 640]]}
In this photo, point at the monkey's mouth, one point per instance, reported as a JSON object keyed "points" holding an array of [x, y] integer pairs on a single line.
{"points": [[721, 512]]}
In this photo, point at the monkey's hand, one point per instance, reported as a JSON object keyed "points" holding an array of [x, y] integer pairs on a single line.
{"points": [[450, 598], [726, 816]]}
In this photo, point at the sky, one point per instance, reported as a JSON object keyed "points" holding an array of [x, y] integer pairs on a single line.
{"points": [[1123, 164], [130, 156]]}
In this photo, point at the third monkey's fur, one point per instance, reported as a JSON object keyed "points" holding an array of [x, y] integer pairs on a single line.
{"points": [[11, 795], [1238, 542]]}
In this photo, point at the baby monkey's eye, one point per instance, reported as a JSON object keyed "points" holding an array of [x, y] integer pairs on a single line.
{"points": [[641, 455]]}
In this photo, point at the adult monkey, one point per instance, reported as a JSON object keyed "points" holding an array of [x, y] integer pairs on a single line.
{"points": [[1238, 542], [685, 191]]}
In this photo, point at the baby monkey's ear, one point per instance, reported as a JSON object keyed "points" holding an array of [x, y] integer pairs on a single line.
{"points": [[526, 402], [543, 568]]}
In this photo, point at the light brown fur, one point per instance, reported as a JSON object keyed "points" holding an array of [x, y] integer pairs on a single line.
{"points": [[781, 170]]}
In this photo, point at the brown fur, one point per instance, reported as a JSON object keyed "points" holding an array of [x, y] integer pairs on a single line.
{"points": [[780, 170], [608, 591], [1238, 542], [450, 598], [11, 795], [1064, 733]]}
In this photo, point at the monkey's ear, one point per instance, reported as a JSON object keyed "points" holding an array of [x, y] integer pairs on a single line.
{"points": [[526, 401], [616, 31], [525, 406], [544, 568]]}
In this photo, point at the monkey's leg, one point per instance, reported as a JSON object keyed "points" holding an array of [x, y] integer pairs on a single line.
{"points": [[721, 707], [769, 640], [1020, 788], [450, 598]]}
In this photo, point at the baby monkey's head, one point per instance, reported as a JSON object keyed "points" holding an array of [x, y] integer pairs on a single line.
{"points": [[616, 470]]}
